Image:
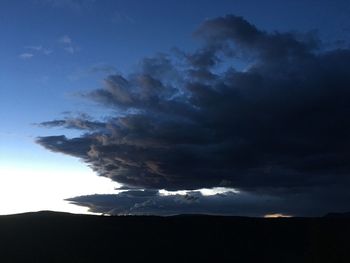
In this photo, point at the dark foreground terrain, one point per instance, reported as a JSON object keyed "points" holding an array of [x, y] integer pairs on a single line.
{"points": [[58, 237]]}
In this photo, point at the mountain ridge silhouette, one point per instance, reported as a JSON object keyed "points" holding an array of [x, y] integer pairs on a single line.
{"points": [[49, 236]]}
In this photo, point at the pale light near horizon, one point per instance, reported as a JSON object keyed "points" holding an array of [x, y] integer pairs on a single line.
{"points": [[277, 215], [27, 189]]}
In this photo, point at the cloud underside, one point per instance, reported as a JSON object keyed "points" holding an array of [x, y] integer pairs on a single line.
{"points": [[264, 113], [311, 202]]}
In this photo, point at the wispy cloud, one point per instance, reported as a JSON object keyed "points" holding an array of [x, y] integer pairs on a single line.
{"points": [[47, 51], [70, 49], [66, 39], [36, 48], [26, 56], [40, 49], [68, 44], [98, 68]]}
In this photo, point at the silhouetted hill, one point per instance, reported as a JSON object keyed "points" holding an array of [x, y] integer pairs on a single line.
{"points": [[338, 215], [60, 237]]}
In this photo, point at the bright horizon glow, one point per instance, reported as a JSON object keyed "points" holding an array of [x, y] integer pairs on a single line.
{"points": [[28, 189], [277, 215]]}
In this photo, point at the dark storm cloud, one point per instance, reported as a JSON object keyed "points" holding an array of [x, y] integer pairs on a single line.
{"points": [[278, 127], [308, 203], [152, 203], [247, 38], [77, 146]]}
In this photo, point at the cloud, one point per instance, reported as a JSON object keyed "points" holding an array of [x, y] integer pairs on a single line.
{"points": [[35, 48], [68, 44], [66, 39], [75, 123], [26, 56], [150, 202], [192, 120], [40, 50], [47, 51], [70, 49]]}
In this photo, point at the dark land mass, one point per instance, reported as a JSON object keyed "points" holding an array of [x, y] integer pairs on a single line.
{"points": [[338, 215], [59, 237]]}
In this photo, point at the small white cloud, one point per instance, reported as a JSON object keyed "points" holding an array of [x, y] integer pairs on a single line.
{"points": [[36, 48], [66, 39], [26, 55]]}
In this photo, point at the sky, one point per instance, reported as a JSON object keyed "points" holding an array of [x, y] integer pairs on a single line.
{"points": [[168, 107]]}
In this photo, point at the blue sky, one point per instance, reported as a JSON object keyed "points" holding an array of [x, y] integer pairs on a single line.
{"points": [[51, 50]]}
